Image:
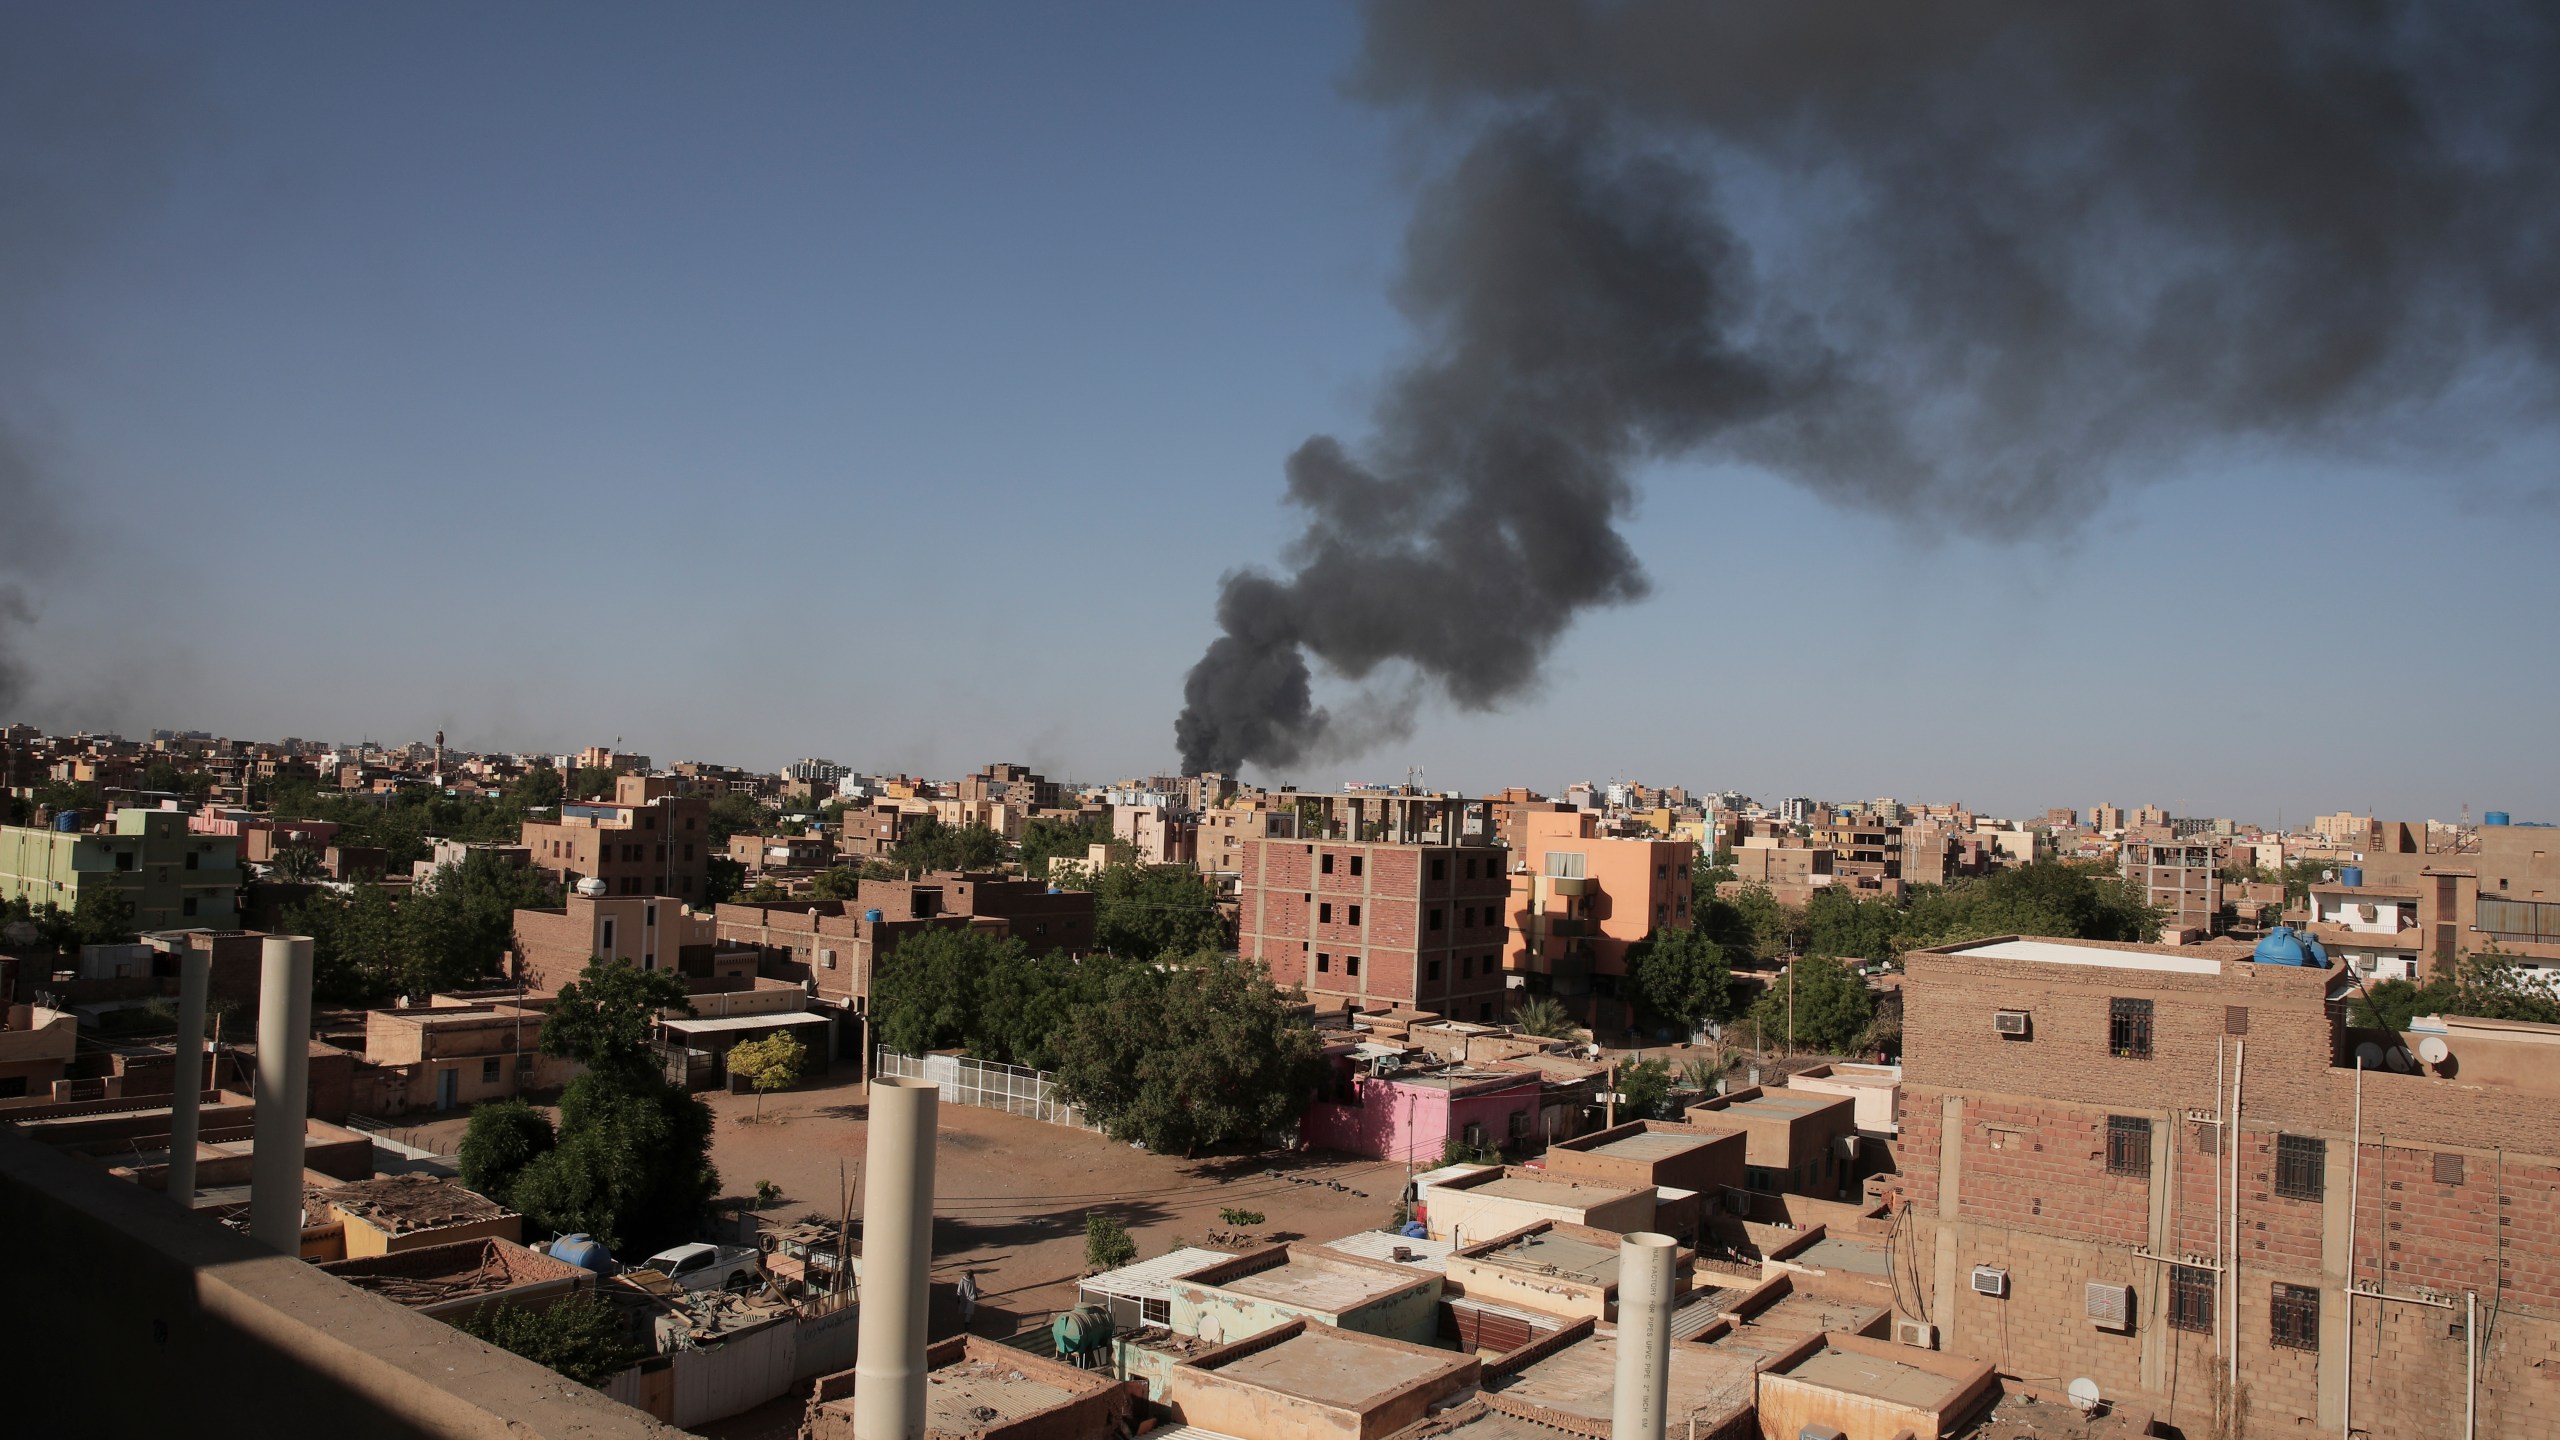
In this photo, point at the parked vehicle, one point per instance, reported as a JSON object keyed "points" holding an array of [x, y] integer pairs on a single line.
{"points": [[734, 1268]]}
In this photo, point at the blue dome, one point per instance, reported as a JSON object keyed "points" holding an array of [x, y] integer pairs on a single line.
{"points": [[2287, 946]]}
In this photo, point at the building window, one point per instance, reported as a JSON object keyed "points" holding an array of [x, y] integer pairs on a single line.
{"points": [[124, 859], [1324, 913], [2129, 1029], [1471, 869], [1355, 913], [1350, 964], [2301, 1167], [1466, 967], [1324, 862], [1435, 917], [1431, 970], [1324, 963], [192, 859], [187, 906], [2191, 1299], [489, 1071], [1355, 864], [1564, 864], [2294, 1315], [2128, 1145], [1439, 867], [650, 914], [1484, 1011], [608, 937]]}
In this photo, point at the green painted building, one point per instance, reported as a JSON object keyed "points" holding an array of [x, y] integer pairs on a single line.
{"points": [[174, 878]]}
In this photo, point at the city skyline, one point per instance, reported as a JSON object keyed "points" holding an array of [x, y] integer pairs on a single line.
{"points": [[429, 411]]}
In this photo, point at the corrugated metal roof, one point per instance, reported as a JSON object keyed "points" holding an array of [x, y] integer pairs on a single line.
{"points": [[1147, 1279]]}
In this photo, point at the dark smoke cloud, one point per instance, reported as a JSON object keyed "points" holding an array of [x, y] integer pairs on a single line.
{"points": [[86, 129], [1972, 267]]}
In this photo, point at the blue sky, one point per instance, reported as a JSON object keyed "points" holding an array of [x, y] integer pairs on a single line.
{"points": [[895, 383]]}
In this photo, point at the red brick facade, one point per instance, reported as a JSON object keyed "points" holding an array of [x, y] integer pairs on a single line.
{"points": [[2006, 1163], [1378, 925]]}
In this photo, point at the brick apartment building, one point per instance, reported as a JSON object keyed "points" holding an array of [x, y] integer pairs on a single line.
{"points": [[1577, 900], [1409, 916], [646, 840], [647, 931], [1016, 787], [2182, 879], [2140, 1163], [1043, 917], [832, 949], [1865, 851], [2496, 885]]}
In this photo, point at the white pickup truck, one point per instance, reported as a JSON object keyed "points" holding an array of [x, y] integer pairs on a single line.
{"points": [[734, 1268]]}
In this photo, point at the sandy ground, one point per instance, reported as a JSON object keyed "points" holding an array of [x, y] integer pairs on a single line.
{"points": [[1013, 1193]]}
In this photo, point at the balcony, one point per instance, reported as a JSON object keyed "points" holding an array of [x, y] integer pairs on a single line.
{"points": [[1569, 886], [1564, 927]]}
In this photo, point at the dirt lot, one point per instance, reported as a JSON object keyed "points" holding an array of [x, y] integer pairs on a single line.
{"points": [[1014, 1193]]}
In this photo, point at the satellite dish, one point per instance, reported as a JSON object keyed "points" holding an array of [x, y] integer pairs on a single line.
{"points": [[591, 887], [2368, 1056], [2084, 1395], [2434, 1051], [21, 932], [2399, 1059]]}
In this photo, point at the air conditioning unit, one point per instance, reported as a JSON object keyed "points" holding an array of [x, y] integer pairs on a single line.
{"points": [[1990, 1280], [1919, 1334], [2009, 1022], [2110, 1306]]}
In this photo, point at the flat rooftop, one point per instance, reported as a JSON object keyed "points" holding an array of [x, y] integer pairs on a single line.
{"points": [[1874, 1377], [1152, 1279], [1426, 1256], [1335, 1368], [1652, 1145], [1563, 1256], [975, 1394], [1782, 1105], [1800, 1314], [2100, 956], [1833, 1252], [1582, 1380], [1327, 1286], [1540, 1191]]}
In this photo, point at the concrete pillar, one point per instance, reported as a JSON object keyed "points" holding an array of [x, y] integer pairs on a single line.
{"points": [[1648, 1269], [195, 975], [897, 1260], [284, 1082]]}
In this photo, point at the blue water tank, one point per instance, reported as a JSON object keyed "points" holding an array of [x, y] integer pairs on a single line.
{"points": [[584, 1251], [2285, 945], [2351, 876], [2494, 817], [872, 914], [68, 822]]}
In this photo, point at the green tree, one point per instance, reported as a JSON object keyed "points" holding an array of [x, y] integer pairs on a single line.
{"points": [[358, 955], [772, 1063], [2486, 985], [460, 925], [164, 775], [1545, 1017], [926, 993], [928, 844], [579, 1335], [1646, 1088], [2048, 897], [841, 883], [1708, 873], [633, 1162], [607, 1018], [504, 1137], [1107, 1245], [1202, 1054], [1149, 911], [722, 879], [1045, 839], [1680, 976], [1839, 923], [735, 814], [1774, 929], [103, 915], [591, 782], [60, 795], [538, 788], [300, 865], [1832, 1009]]}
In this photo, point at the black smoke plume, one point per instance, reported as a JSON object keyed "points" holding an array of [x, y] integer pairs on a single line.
{"points": [[1972, 267], [85, 131]]}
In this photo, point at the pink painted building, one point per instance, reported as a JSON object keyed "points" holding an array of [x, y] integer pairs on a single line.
{"points": [[1415, 1115]]}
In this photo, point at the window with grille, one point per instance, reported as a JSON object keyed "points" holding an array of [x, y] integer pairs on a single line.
{"points": [[2129, 1029], [2294, 1314], [2301, 1167], [2128, 1145], [2191, 1299]]}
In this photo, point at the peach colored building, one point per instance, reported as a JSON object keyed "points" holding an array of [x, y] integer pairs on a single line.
{"points": [[1579, 900], [646, 840]]}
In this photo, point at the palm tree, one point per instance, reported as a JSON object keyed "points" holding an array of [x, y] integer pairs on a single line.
{"points": [[1545, 1016]]}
